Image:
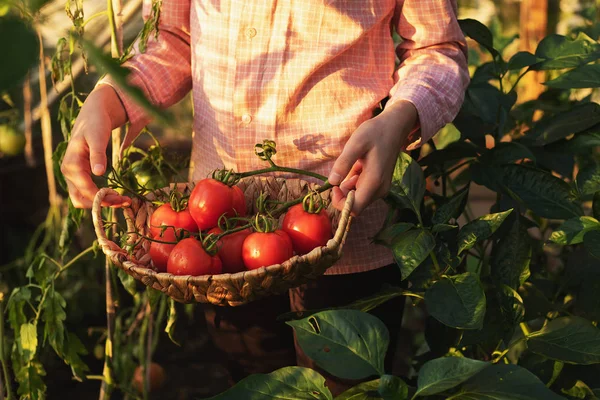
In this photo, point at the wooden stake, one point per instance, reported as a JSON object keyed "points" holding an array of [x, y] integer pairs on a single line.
{"points": [[29, 156]]}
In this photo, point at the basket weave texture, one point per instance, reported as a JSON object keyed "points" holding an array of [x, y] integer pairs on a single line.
{"points": [[224, 289]]}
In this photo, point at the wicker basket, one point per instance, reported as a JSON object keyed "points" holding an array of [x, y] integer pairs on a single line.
{"points": [[225, 289]]}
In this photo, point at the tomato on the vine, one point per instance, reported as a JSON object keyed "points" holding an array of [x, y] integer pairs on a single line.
{"points": [[307, 230], [190, 258], [166, 215], [12, 142], [159, 252], [210, 199], [230, 249], [261, 249]]}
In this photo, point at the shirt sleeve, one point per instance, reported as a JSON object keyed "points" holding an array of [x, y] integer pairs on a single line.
{"points": [[433, 73], [163, 71]]}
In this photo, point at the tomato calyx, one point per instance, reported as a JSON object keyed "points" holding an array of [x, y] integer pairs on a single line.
{"points": [[226, 176], [313, 203], [177, 200], [263, 223]]}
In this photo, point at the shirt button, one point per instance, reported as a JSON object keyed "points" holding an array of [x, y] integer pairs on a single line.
{"points": [[246, 118], [250, 33]]}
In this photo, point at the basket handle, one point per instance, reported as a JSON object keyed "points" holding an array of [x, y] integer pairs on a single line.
{"points": [[345, 220], [110, 248]]}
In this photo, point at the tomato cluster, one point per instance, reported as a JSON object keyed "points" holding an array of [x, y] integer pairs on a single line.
{"points": [[176, 249]]}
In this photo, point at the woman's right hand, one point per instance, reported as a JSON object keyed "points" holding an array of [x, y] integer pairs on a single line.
{"points": [[101, 112]]}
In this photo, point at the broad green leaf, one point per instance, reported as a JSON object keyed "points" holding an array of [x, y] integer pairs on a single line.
{"points": [[437, 228], [591, 241], [480, 229], [561, 52], [368, 303], [488, 102], [573, 230], [511, 257], [452, 208], [504, 382], [28, 341], [31, 384], [575, 120], [450, 155], [119, 74], [588, 179], [507, 153], [446, 136], [408, 183], [457, 301], [127, 281], [22, 50], [346, 343], [586, 76], [570, 339], [544, 194], [479, 33], [386, 388], [387, 235], [522, 59], [170, 328], [57, 157], [289, 383], [53, 315], [411, 249], [445, 373]]}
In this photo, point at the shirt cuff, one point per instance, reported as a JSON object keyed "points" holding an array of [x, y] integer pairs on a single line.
{"points": [[428, 123]]}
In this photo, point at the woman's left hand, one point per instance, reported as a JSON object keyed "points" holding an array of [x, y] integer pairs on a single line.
{"points": [[368, 159]]}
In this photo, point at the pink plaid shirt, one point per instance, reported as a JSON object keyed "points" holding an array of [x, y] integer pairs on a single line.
{"points": [[305, 73]]}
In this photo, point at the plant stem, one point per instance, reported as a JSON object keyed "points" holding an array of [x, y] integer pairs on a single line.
{"points": [[505, 352], [74, 260], [98, 14], [7, 380], [524, 328], [276, 168]]}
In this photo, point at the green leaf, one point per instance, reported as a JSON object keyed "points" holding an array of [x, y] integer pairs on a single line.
{"points": [[591, 241], [504, 382], [479, 33], [387, 235], [511, 257], [507, 153], [450, 155], [522, 59], [544, 194], [127, 281], [289, 383], [559, 126], [570, 339], [437, 228], [28, 341], [452, 208], [457, 301], [563, 52], [108, 65], [57, 157], [488, 102], [74, 349], [445, 373], [31, 384], [153, 296], [411, 249], [388, 387], [53, 315], [573, 230], [16, 303], [170, 328], [479, 229], [408, 183], [22, 50], [586, 76], [588, 179], [346, 343]]}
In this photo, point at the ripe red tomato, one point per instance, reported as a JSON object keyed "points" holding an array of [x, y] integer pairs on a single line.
{"points": [[307, 230], [230, 250], [189, 258], [210, 199], [165, 215], [262, 249], [159, 252]]}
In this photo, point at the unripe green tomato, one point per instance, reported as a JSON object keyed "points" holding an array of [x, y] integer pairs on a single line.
{"points": [[12, 142]]}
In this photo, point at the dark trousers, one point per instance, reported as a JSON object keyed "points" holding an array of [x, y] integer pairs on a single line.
{"points": [[253, 341]]}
